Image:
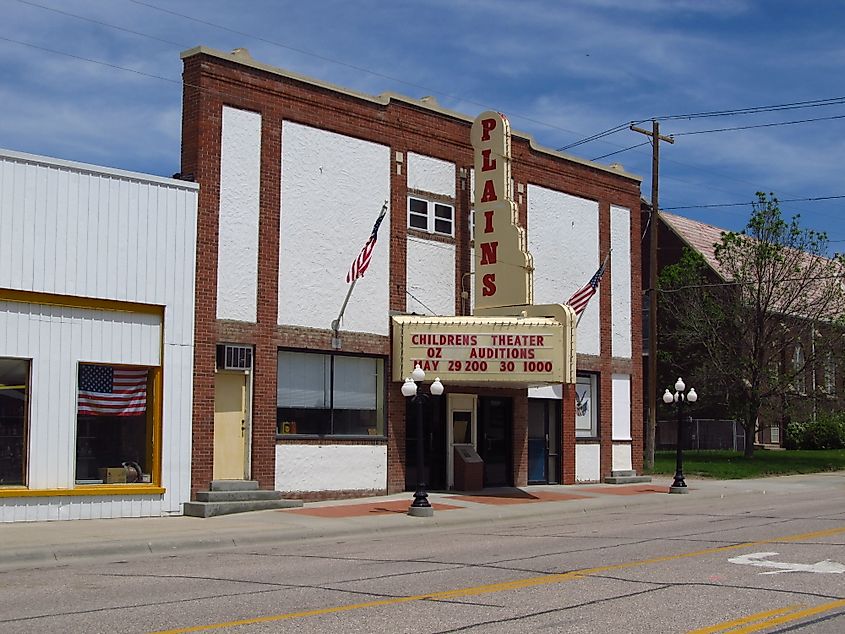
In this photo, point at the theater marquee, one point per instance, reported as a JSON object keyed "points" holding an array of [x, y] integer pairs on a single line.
{"points": [[473, 350]]}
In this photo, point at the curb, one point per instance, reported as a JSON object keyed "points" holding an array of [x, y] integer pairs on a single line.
{"points": [[263, 528], [237, 535]]}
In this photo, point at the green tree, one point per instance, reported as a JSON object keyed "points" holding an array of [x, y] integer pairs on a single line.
{"points": [[730, 328]]}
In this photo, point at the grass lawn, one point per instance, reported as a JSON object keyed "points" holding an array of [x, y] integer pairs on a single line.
{"points": [[731, 465]]}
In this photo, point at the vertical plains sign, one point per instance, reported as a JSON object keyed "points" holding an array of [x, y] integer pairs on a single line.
{"points": [[517, 351], [503, 266]]}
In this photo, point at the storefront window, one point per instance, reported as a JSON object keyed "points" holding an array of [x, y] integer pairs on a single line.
{"points": [[14, 412], [114, 425], [326, 394], [586, 400]]}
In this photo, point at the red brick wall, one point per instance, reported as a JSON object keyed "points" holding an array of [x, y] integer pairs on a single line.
{"points": [[209, 84]]}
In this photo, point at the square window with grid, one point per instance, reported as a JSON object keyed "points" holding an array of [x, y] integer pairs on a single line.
{"points": [[431, 216]]}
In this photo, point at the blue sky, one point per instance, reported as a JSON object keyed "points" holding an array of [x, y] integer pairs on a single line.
{"points": [[98, 81]]}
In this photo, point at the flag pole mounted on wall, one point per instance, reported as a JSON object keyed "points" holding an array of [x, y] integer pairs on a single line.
{"points": [[580, 298], [359, 266]]}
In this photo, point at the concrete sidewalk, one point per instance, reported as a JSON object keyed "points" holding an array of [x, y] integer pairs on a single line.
{"points": [[32, 544]]}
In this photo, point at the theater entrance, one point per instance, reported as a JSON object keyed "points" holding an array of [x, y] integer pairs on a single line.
{"points": [[495, 439], [544, 416]]}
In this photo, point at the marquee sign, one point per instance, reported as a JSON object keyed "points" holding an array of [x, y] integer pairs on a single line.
{"points": [[512, 350], [503, 266]]}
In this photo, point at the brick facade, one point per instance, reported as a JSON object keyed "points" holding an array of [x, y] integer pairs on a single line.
{"points": [[212, 81]]}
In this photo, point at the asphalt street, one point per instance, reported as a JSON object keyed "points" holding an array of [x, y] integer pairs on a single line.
{"points": [[753, 556]]}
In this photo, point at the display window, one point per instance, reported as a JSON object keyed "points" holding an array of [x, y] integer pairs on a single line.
{"points": [[114, 424], [330, 394], [586, 410], [14, 419]]}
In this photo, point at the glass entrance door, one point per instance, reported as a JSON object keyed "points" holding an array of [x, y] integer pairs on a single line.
{"points": [[495, 439], [462, 429], [544, 417], [434, 444]]}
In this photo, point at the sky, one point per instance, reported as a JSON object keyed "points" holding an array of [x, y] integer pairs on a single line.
{"points": [[99, 81]]}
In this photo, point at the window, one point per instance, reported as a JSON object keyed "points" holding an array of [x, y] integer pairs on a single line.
{"points": [[586, 405], [14, 414], [830, 373], [114, 424], [430, 216], [327, 394], [799, 383]]}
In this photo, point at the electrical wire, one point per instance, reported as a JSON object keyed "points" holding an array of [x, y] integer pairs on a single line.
{"points": [[716, 113], [603, 156], [761, 125], [751, 202]]}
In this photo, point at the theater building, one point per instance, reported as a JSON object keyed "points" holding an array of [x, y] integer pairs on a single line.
{"points": [[96, 340], [485, 236]]}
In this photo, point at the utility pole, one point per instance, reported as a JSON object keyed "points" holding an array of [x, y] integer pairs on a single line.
{"points": [[651, 426]]}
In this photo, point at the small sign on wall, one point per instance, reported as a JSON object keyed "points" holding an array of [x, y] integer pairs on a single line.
{"points": [[586, 416]]}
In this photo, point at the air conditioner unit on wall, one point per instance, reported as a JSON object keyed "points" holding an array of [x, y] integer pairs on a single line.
{"points": [[234, 357]]}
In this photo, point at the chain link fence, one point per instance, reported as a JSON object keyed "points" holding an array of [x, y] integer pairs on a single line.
{"points": [[702, 433]]}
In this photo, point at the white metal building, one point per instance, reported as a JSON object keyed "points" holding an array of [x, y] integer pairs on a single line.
{"points": [[97, 273]]}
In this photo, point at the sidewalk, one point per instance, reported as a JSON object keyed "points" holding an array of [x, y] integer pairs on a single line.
{"points": [[30, 544]]}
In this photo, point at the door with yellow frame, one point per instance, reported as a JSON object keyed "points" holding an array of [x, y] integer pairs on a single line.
{"points": [[231, 425]]}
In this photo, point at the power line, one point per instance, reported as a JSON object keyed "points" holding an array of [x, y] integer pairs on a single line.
{"points": [[266, 41], [802, 280], [347, 65], [90, 60], [814, 103], [751, 110], [100, 23], [761, 125], [620, 151], [599, 135], [751, 202]]}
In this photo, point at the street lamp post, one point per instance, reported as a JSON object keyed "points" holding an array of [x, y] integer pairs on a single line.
{"points": [[420, 506], [679, 486]]}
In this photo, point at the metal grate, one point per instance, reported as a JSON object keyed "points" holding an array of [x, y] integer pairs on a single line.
{"points": [[231, 357]]}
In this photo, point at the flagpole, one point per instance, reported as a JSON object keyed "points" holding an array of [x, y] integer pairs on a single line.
{"points": [[336, 322], [336, 344], [603, 264]]}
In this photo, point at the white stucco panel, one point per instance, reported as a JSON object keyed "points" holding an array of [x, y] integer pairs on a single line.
{"points": [[587, 463], [563, 238], [333, 188], [237, 249], [301, 468], [621, 407], [547, 391], [620, 280], [622, 458], [429, 174], [431, 277]]}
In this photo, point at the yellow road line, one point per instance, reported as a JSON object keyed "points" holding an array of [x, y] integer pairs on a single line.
{"points": [[765, 620], [753, 618], [507, 585]]}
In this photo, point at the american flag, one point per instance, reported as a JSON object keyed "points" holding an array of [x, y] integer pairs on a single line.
{"points": [[109, 391], [580, 298], [362, 262]]}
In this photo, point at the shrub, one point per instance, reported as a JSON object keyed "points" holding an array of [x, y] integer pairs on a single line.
{"points": [[794, 434], [826, 432]]}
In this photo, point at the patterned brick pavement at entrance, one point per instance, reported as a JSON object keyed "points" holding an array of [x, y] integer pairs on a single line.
{"points": [[492, 496]]}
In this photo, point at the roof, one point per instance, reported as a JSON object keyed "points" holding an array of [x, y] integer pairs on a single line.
{"points": [[241, 56], [699, 236], [36, 159], [703, 238]]}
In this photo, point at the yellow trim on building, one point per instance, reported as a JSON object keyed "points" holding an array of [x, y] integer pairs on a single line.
{"points": [[73, 301], [97, 489], [157, 400]]}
